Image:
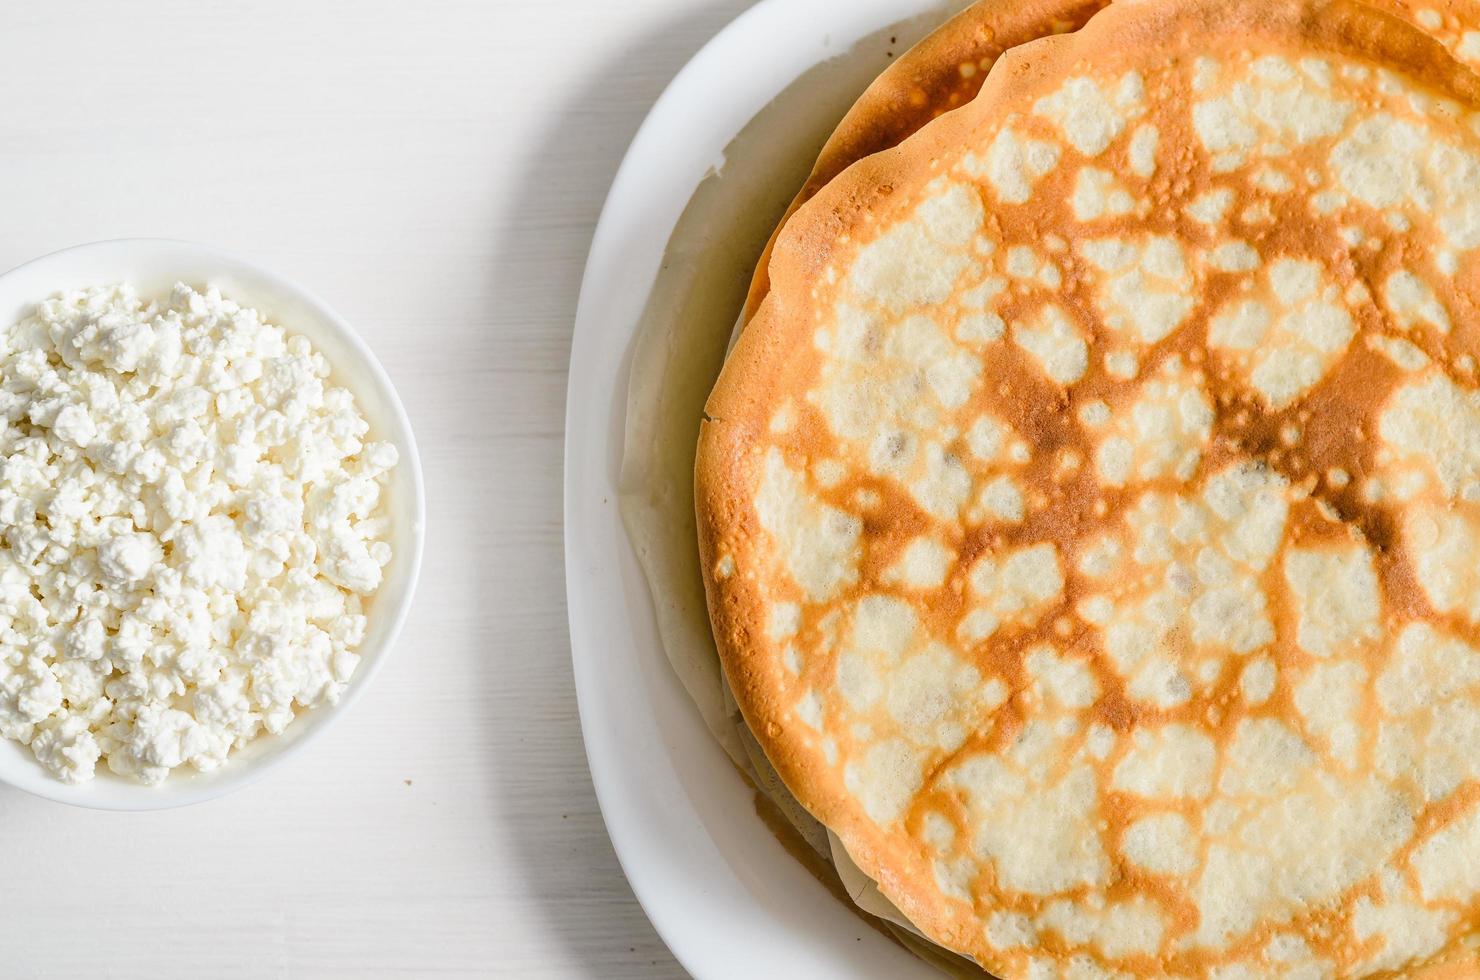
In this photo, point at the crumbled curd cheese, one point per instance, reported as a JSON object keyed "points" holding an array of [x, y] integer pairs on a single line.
{"points": [[190, 520]]}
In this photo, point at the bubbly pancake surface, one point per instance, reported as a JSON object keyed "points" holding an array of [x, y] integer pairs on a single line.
{"points": [[946, 70], [941, 73], [1089, 514], [1455, 23]]}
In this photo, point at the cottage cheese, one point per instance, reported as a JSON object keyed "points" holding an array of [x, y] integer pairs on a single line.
{"points": [[190, 522]]}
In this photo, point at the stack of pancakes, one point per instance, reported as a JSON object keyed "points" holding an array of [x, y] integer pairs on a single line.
{"points": [[1089, 509]]}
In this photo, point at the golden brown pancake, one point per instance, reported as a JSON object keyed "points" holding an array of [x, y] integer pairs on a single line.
{"points": [[1088, 514], [944, 71], [1454, 23]]}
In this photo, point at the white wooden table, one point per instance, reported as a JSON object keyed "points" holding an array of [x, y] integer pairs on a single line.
{"points": [[435, 170]]}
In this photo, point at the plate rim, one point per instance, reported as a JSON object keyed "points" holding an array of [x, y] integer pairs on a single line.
{"points": [[777, 40]]}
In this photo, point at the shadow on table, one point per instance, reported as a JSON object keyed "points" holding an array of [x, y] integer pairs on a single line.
{"points": [[563, 185]]}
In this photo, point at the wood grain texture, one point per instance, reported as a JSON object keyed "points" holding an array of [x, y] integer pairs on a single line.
{"points": [[434, 170]]}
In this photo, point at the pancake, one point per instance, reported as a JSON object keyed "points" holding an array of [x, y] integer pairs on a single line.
{"points": [[1454, 23], [1086, 513], [944, 71]]}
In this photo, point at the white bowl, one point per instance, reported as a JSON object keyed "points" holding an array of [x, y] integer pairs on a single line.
{"points": [[153, 266]]}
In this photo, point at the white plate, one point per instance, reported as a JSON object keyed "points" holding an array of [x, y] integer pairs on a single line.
{"points": [[725, 896]]}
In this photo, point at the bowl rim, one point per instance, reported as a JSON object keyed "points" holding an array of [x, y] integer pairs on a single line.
{"points": [[125, 795]]}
